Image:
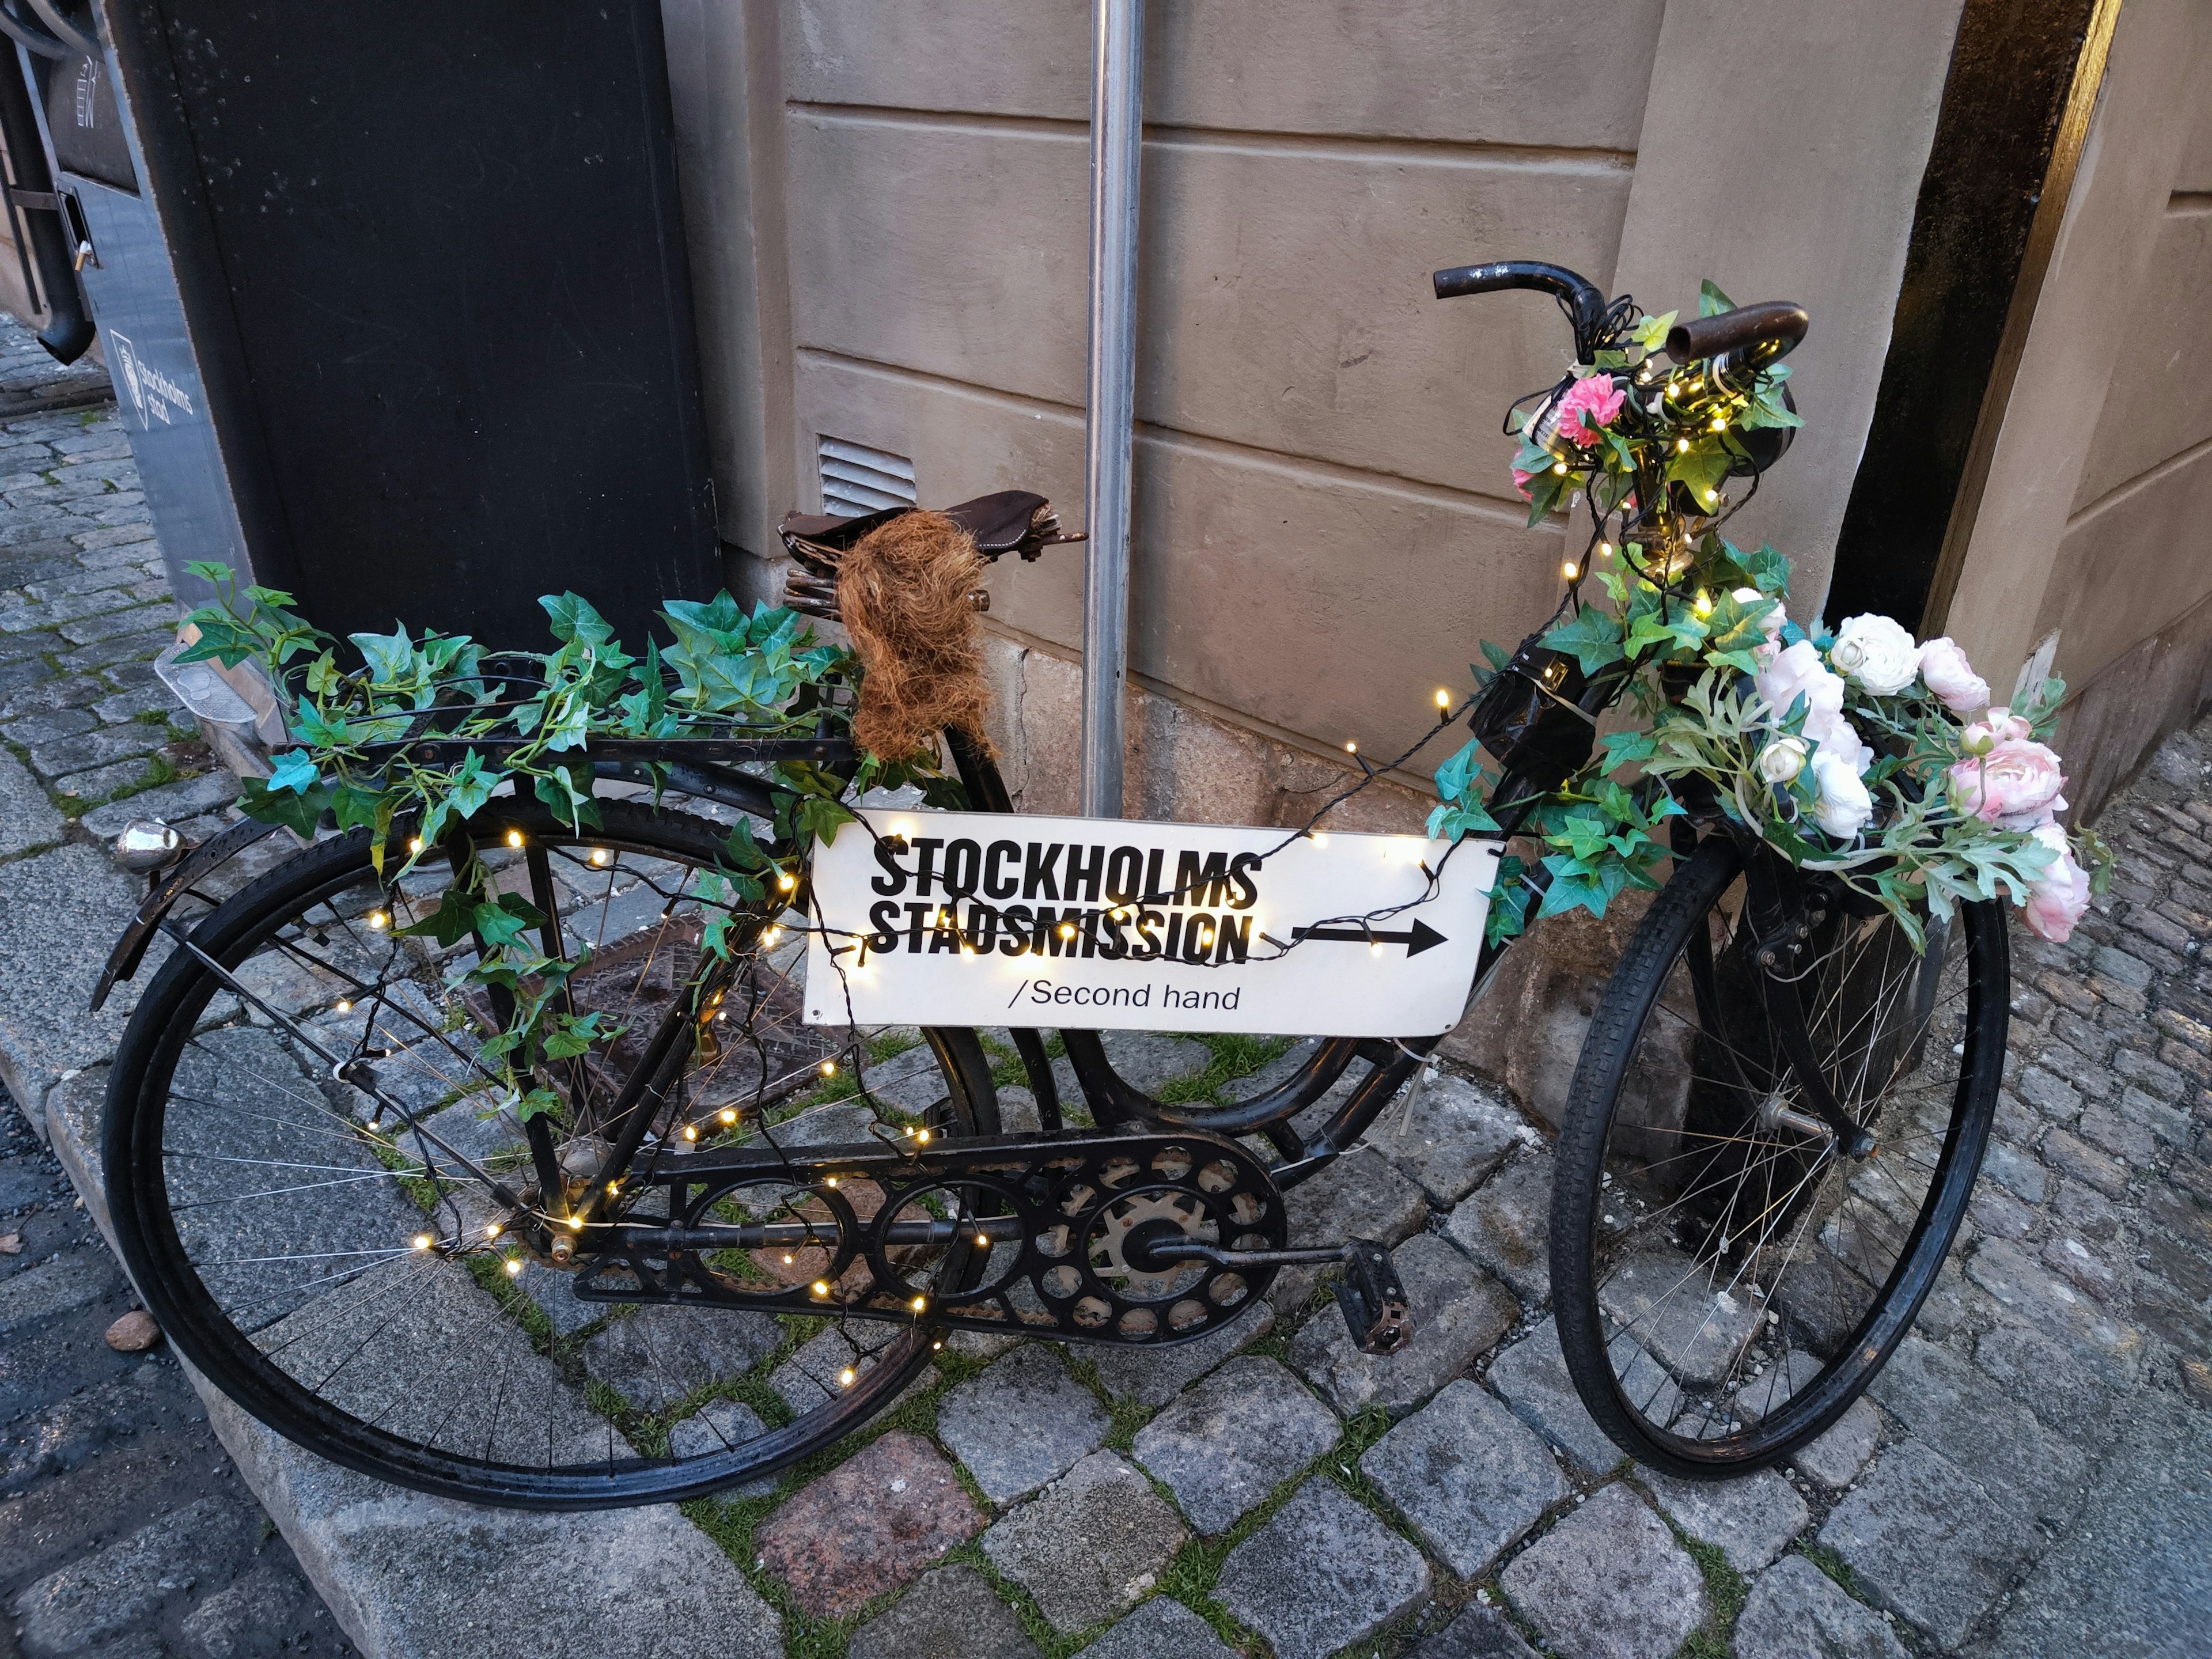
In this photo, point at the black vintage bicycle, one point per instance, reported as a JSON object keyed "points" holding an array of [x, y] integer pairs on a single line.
{"points": [[675, 1283]]}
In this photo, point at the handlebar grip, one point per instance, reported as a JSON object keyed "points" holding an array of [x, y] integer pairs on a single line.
{"points": [[1585, 303], [1750, 336]]}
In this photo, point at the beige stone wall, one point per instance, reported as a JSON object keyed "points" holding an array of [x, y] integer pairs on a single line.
{"points": [[1325, 529], [2093, 524]]}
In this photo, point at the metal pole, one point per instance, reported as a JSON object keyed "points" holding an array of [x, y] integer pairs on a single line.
{"points": [[1117, 56]]}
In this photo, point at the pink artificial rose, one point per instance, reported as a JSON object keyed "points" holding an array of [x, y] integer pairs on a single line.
{"points": [[2056, 898], [1952, 677], [1521, 483], [2014, 786], [1588, 408], [1998, 726]]}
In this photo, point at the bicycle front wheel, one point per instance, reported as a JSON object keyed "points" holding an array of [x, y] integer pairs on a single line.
{"points": [[1728, 1278], [368, 1272]]}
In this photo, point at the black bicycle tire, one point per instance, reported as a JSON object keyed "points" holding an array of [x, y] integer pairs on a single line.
{"points": [[149, 1245], [1593, 1097]]}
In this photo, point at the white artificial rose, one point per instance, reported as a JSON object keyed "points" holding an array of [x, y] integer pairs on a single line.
{"points": [[1952, 677], [1798, 672], [1844, 805], [1877, 652], [1782, 760]]}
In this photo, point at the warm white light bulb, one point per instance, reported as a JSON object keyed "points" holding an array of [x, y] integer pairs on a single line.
{"points": [[786, 881], [378, 921], [422, 1240], [599, 856], [345, 1005], [829, 1068], [1443, 698], [514, 1267], [729, 1115], [514, 838], [1569, 569], [414, 844], [690, 1133]]}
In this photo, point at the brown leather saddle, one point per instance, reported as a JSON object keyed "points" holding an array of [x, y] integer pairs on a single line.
{"points": [[1008, 521]]}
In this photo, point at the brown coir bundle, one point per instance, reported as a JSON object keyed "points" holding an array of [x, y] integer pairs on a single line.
{"points": [[903, 592]]}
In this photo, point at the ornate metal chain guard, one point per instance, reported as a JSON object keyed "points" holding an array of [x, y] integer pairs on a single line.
{"points": [[1046, 1235]]}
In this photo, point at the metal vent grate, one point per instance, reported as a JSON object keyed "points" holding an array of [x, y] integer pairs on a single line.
{"points": [[857, 479]]}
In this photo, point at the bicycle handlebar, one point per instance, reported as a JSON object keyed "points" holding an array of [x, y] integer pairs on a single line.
{"points": [[1585, 303], [1751, 336]]}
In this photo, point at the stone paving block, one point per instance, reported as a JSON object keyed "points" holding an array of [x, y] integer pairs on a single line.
{"points": [[50, 905], [1506, 1225], [1469, 1475], [1147, 1059], [721, 1425], [1609, 1582], [1276, 1072], [2026, 1288], [1235, 1437], [98, 1597], [1927, 1541], [101, 781], [172, 803], [1090, 1546], [1985, 1434], [1451, 1136], [1751, 1520], [1795, 1611], [54, 1287], [2135, 1575], [1675, 1309], [659, 1354], [868, 1525], [1478, 1632], [1161, 1629], [1458, 1311], [2017, 1171], [817, 1371], [1835, 1458], [1360, 1195], [2051, 1380], [1321, 1574], [232, 1621], [1152, 1376], [952, 1613], [1021, 1423], [1532, 1377]]}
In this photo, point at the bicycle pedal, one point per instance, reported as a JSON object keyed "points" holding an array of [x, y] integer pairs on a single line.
{"points": [[1373, 1299]]}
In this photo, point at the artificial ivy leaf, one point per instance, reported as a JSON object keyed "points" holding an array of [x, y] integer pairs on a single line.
{"points": [[1650, 333], [1592, 636], [1496, 655], [819, 817], [295, 771], [575, 1034], [390, 657], [222, 638], [1710, 301], [298, 813], [1454, 822], [574, 621], [449, 924], [1456, 774], [357, 808], [537, 1104], [501, 924], [1573, 888], [208, 570], [1702, 467], [1623, 747], [745, 852]]}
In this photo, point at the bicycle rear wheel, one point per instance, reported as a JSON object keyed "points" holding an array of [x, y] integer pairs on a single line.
{"points": [[343, 1265], [1727, 1278]]}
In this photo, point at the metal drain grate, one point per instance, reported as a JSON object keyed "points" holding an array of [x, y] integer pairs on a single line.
{"points": [[857, 479]]}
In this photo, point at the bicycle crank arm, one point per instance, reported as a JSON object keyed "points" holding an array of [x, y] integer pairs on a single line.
{"points": [[1372, 1298]]}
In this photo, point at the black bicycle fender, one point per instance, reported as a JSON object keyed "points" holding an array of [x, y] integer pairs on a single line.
{"points": [[130, 948]]}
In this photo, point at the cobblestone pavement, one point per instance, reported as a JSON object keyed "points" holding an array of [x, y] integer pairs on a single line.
{"points": [[123, 1522], [2031, 1477]]}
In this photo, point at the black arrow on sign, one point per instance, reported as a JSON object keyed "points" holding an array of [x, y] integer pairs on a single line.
{"points": [[1417, 939]]}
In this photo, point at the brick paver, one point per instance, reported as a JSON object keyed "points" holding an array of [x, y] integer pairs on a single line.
{"points": [[2014, 1485]]}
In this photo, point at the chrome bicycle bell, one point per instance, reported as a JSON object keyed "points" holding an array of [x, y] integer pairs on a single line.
{"points": [[148, 844]]}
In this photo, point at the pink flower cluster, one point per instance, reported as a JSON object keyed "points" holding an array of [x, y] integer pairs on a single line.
{"points": [[1588, 408], [2009, 779]]}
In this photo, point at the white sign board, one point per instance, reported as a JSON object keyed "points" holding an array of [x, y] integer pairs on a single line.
{"points": [[993, 919]]}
